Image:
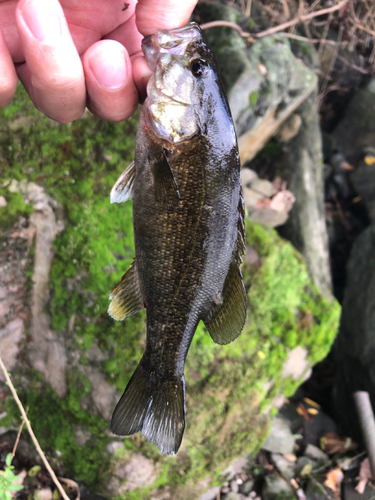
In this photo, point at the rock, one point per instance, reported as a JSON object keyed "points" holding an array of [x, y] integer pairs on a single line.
{"points": [[356, 131], [43, 494], [10, 338], [248, 176], [250, 197], [263, 187], [103, 394], [268, 217], [316, 454], [113, 446], [276, 488], [140, 472], [3, 202], [354, 349], [81, 435], [280, 438], [363, 181], [233, 496], [247, 486], [234, 486], [315, 491], [286, 467], [306, 227], [320, 425]]}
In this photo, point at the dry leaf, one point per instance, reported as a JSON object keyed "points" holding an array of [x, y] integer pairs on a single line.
{"points": [[312, 411], [311, 402], [333, 481], [332, 443], [364, 476], [369, 160], [283, 201]]}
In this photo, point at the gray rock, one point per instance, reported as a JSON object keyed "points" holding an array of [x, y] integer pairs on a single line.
{"points": [[296, 363], [234, 486], [363, 181], [140, 472], [314, 491], [3, 202], [280, 438], [354, 349], [81, 434], [356, 131], [233, 496], [10, 338], [248, 176], [286, 467], [247, 486], [316, 453], [276, 488], [306, 227], [263, 187], [268, 216]]}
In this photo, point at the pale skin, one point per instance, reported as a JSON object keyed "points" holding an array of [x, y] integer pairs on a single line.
{"points": [[77, 53]]}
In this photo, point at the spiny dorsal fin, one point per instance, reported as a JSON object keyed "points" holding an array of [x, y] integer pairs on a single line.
{"points": [[126, 297], [241, 237], [228, 317], [123, 189], [166, 189]]}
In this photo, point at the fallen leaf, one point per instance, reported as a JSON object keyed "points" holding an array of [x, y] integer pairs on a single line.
{"points": [[311, 402], [312, 411], [306, 470], [364, 476], [333, 481], [332, 443], [369, 160]]}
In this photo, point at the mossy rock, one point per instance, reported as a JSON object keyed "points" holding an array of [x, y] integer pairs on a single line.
{"points": [[230, 389]]}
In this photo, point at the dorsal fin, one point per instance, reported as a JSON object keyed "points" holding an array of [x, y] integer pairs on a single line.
{"points": [[123, 189], [126, 297]]}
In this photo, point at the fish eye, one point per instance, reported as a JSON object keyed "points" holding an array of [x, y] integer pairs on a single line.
{"points": [[197, 67]]}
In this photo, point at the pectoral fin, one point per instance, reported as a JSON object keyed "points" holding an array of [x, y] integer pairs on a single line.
{"points": [[126, 297], [123, 189], [228, 315], [166, 189]]}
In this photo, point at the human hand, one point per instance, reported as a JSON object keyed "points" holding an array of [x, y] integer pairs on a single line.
{"points": [[71, 54]]}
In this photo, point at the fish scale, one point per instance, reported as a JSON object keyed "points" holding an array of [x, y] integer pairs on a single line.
{"points": [[188, 218]]}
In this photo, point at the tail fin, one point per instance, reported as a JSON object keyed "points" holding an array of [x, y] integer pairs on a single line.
{"points": [[154, 407]]}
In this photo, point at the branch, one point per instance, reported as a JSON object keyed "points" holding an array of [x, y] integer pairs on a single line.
{"points": [[28, 425], [366, 419], [275, 29]]}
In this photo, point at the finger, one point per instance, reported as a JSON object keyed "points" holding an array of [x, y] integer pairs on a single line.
{"points": [[109, 80], [53, 73], [8, 75], [164, 14], [128, 35]]}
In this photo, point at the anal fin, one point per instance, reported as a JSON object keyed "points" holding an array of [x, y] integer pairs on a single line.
{"points": [[123, 189], [126, 297], [228, 317]]}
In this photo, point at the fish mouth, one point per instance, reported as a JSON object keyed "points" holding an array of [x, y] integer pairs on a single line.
{"points": [[169, 42]]}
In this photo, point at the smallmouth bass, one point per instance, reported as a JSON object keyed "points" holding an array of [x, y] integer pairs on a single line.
{"points": [[188, 216]]}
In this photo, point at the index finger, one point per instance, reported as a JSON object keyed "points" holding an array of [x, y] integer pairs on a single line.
{"points": [[154, 15]]}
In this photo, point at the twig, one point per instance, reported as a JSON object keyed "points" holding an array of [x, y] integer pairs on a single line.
{"points": [[360, 27], [367, 421], [275, 29], [31, 432], [299, 19], [19, 435], [235, 26]]}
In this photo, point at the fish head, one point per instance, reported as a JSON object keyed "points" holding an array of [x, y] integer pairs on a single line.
{"points": [[177, 93]]}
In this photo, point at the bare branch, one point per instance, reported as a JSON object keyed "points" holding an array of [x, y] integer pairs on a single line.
{"points": [[31, 432]]}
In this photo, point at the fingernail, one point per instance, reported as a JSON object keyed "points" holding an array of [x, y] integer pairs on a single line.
{"points": [[43, 19], [109, 71]]}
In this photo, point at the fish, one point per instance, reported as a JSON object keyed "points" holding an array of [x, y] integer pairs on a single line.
{"points": [[189, 232]]}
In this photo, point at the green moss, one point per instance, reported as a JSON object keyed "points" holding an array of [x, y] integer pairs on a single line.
{"points": [[253, 99], [14, 209]]}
